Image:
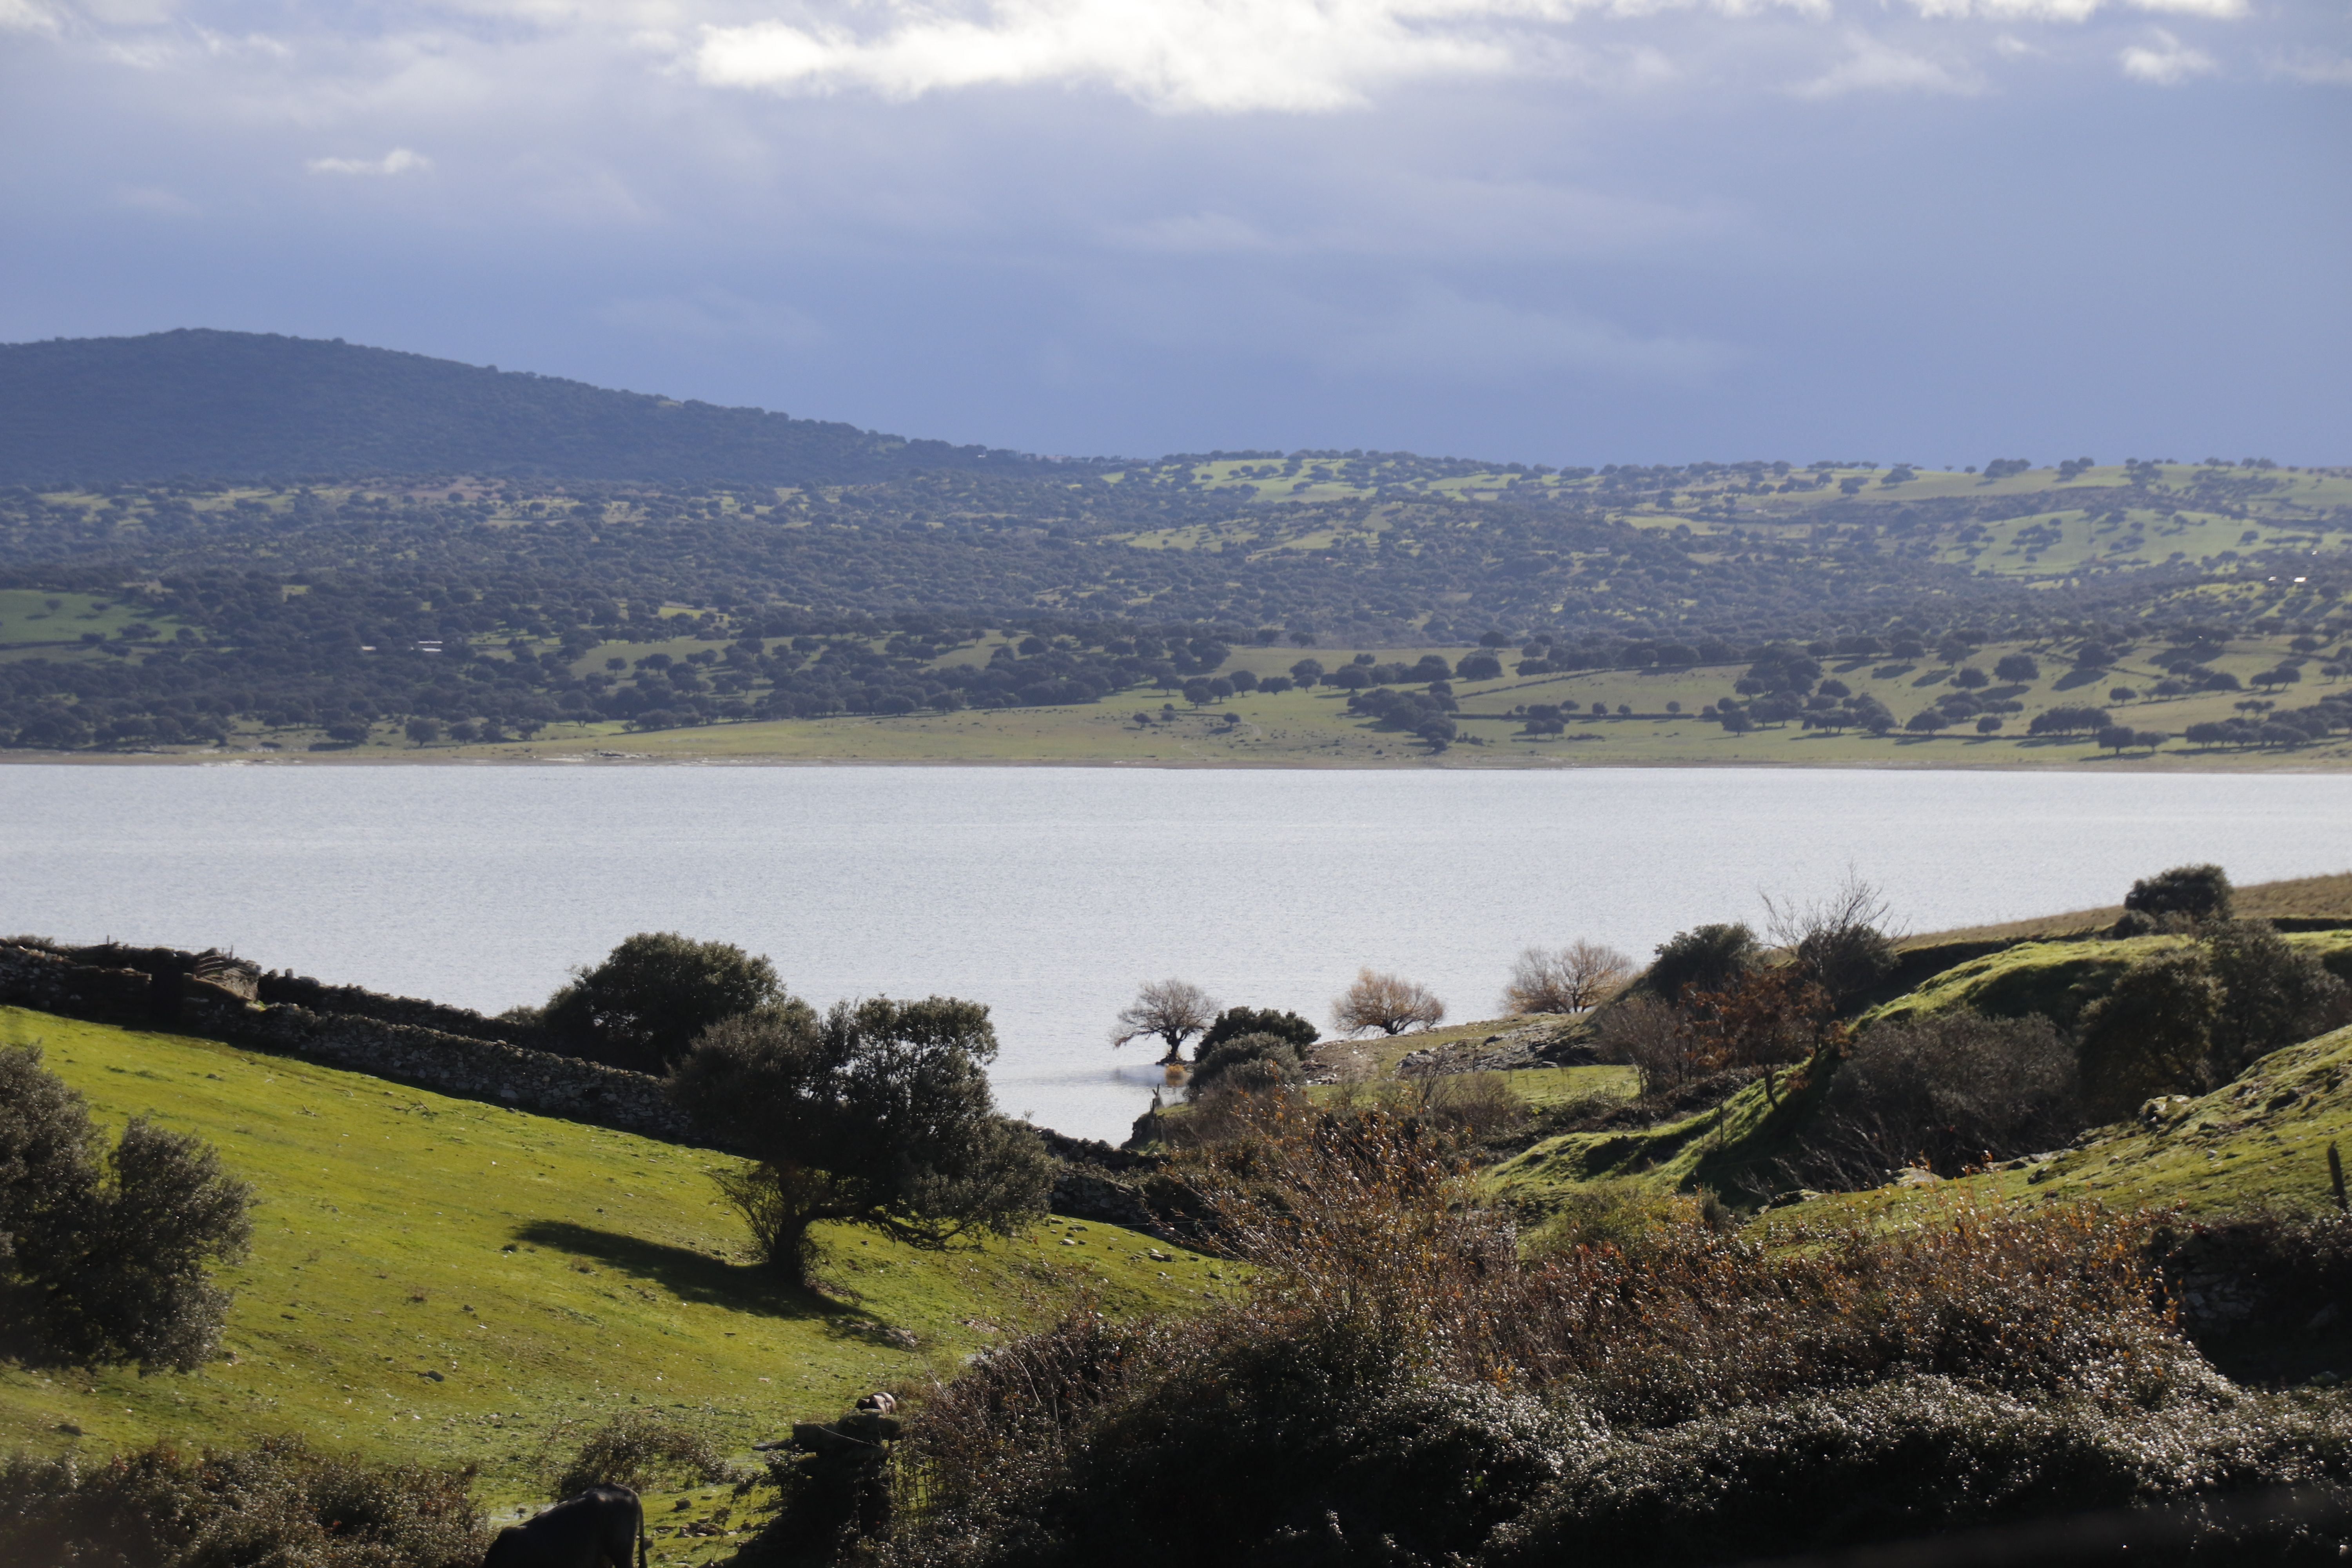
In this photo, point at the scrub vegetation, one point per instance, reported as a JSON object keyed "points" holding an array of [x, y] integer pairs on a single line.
{"points": [[1794, 1237]]}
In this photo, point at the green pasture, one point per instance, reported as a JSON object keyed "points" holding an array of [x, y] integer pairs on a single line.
{"points": [[37, 622], [447, 1281]]}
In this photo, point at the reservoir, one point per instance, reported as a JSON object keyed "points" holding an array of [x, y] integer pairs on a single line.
{"points": [[1051, 893]]}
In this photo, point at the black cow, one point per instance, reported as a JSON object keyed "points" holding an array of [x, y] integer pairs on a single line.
{"points": [[590, 1530]]}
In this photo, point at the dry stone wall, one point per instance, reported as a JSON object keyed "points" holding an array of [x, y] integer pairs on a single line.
{"points": [[384, 1037], [467, 1068]]}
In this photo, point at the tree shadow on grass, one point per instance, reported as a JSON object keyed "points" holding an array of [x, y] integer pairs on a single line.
{"points": [[688, 1275]]}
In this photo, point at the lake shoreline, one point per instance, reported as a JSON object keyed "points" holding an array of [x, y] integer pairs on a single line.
{"points": [[2224, 766], [516, 758]]}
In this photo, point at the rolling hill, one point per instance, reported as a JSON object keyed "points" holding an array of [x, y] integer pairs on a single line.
{"points": [[446, 1280], [489, 554], [197, 402]]}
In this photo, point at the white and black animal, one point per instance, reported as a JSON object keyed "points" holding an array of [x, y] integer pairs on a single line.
{"points": [[590, 1530]]}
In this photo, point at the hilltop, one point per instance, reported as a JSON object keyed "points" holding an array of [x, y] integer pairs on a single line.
{"points": [[215, 403]]}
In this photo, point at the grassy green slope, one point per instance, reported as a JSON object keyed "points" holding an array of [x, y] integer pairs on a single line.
{"points": [[2260, 1141], [1730, 1149], [1735, 1148], [440, 1278]]}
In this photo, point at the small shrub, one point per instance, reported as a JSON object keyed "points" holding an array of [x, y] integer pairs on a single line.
{"points": [[2273, 996], [1627, 1215], [1704, 958], [2150, 1034], [45, 1172], [105, 1252], [1477, 1105], [1234, 1021], [1246, 1062], [634, 1449], [2200, 892], [1656, 1039], [276, 1505], [1945, 1092]]}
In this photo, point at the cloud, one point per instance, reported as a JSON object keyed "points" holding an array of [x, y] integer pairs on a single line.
{"points": [[255, 44], [399, 161], [1175, 56], [1871, 66], [1435, 217], [26, 17], [1443, 334], [2314, 66], [2168, 64], [2073, 10]]}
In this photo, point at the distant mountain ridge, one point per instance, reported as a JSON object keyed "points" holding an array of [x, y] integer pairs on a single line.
{"points": [[200, 402]]}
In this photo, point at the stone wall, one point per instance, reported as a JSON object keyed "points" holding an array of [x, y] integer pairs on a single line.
{"points": [[30, 977], [469, 1068], [1093, 1180], [351, 1001]]}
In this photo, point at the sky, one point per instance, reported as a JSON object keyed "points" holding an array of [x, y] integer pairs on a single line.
{"points": [[1557, 231]]}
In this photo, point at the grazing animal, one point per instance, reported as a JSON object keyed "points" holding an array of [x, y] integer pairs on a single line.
{"points": [[590, 1530]]}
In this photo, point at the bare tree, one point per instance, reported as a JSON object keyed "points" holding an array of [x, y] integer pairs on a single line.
{"points": [[1657, 1040], [1171, 1010], [1841, 940], [1388, 1003], [1572, 979]]}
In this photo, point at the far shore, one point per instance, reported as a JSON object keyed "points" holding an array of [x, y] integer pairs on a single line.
{"points": [[537, 757]]}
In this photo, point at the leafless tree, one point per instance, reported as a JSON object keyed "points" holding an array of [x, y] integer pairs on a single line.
{"points": [[1841, 940], [1388, 1003], [1657, 1040], [1169, 1010], [1572, 979]]}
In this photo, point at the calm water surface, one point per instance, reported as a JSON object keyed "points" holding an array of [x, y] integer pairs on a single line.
{"points": [[1050, 893]]}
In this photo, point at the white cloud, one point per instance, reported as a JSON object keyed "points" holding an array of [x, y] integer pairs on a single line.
{"points": [[399, 161], [1872, 66], [255, 44], [2169, 63], [27, 17], [2073, 10], [2321, 69], [1197, 55]]}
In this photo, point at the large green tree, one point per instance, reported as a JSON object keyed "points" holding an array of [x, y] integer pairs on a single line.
{"points": [[876, 1114], [643, 1006]]}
